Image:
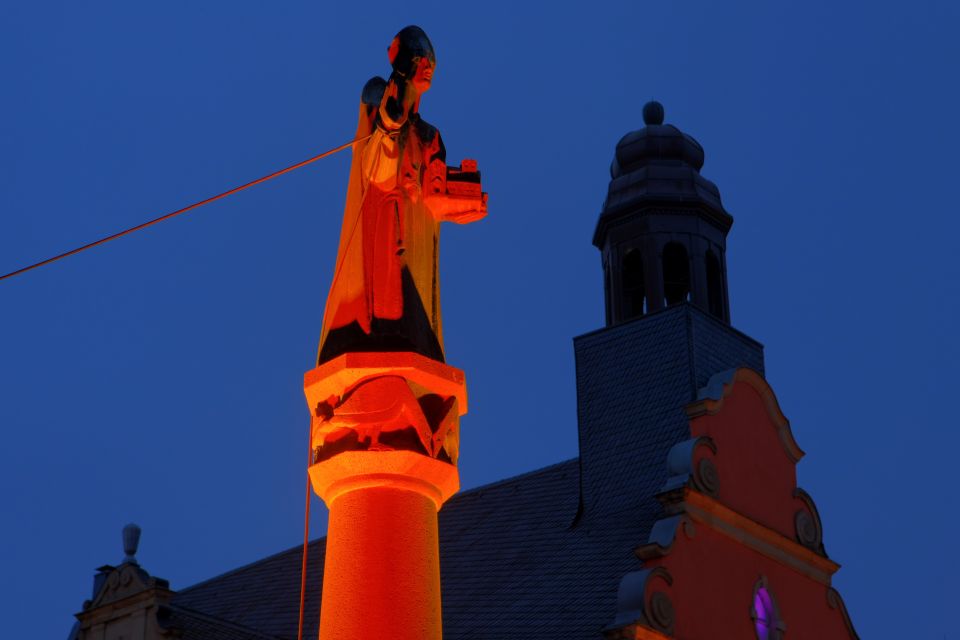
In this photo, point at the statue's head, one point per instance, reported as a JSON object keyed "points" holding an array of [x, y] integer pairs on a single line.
{"points": [[411, 56]]}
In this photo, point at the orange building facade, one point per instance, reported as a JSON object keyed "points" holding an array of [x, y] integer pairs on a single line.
{"points": [[755, 532]]}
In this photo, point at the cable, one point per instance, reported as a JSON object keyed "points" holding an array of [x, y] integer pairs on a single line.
{"points": [[306, 540], [173, 214], [195, 205]]}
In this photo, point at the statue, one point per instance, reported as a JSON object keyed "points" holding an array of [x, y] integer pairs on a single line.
{"points": [[385, 295], [385, 292]]}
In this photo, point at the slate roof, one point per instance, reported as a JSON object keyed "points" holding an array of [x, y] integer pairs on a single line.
{"points": [[517, 562], [193, 625], [512, 565], [541, 554], [633, 382], [264, 595]]}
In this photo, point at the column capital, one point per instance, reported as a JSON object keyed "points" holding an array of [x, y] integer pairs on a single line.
{"points": [[385, 401], [404, 470]]}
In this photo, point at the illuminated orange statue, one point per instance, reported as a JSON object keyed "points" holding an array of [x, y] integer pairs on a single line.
{"points": [[385, 294], [385, 405]]}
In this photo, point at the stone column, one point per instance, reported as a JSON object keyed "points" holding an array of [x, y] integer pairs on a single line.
{"points": [[381, 576], [382, 568]]}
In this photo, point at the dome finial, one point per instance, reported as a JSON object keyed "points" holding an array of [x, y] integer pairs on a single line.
{"points": [[131, 540], [653, 113]]}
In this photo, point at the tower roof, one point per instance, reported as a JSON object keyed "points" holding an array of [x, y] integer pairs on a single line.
{"points": [[658, 166], [655, 143]]}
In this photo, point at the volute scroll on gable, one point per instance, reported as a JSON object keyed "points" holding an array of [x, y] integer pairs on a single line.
{"points": [[690, 464], [739, 435], [808, 524]]}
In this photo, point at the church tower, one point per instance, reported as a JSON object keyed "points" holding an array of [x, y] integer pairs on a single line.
{"points": [[662, 236], [677, 422], [663, 229]]}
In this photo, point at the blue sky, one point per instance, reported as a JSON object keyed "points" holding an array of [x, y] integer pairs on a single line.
{"points": [[158, 379]]}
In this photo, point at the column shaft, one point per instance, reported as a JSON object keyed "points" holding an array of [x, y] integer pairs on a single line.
{"points": [[381, 575]]}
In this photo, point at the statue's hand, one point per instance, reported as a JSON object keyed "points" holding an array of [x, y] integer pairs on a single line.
{"points": [[459, 209], [455, 192]]}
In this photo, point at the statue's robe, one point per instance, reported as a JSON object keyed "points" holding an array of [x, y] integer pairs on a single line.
{"points": [[385, 294]]}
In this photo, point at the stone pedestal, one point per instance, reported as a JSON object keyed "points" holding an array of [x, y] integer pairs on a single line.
{"points": [[382, 567]]}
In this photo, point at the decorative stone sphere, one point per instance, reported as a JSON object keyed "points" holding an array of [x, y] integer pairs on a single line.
{"points": [[653, 113]]}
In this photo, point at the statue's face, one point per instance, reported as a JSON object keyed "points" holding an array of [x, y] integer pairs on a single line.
{"points": [[423, 75]]}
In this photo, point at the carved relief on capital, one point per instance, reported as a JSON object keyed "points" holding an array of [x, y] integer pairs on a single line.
{"points": [[385, 402], [387, 414]]}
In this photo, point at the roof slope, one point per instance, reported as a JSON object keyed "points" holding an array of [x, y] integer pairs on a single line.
{"points": [[264, 595], [512, 565], [193, 625]]}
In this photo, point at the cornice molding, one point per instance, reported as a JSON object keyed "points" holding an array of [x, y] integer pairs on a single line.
{"points": [[627, 211], [762, 539], [124, 607]]}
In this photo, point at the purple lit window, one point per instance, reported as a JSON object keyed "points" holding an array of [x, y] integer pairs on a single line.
{"points": [[765, 617], [763, 605]]}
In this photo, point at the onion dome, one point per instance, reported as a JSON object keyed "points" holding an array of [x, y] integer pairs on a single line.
{"points": [[662, 233], [658, 165]]}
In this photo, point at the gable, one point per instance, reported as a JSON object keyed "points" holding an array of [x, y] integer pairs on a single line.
{"points": [[754, 451]]}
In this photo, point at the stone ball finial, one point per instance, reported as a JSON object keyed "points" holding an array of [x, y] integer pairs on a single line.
{"points": [[131, 540], [653, 113]]}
